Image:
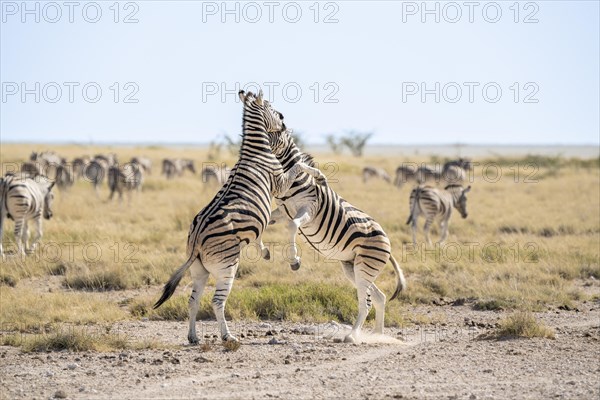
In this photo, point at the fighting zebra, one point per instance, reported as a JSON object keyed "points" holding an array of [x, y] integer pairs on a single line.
{"points": [[373, 172], [216, 174], [237, 214], [405, 173], [23, 199], [128, 178], [173, 167], [435, 203], [337, 230]]}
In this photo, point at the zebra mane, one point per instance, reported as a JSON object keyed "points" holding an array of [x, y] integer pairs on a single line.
{"points": [[453, 186], [309, 159]]}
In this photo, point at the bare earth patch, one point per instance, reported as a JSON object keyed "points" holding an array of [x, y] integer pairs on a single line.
{"points": [[448, 360]]}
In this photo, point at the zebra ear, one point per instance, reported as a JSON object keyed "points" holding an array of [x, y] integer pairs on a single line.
{"points": [[242, 95], [259, 99], [467, 189], [51, 186]]}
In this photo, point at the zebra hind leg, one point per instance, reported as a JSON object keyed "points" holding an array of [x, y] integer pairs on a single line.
{"points": [[301, 218], [379, 303], [199, 276], [364, 275], [37, 235], [222, 289]]}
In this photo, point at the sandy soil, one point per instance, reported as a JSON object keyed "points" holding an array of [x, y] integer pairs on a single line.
{"points": [[446, 360]]}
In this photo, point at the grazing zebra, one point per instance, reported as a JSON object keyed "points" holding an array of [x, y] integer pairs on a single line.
{"points": [[336, 229], [373, 172], [216, 174], [173, 167], [143, 162], [237, 214], [129, 178], [436, 203], [405, 173], [23, 199]]}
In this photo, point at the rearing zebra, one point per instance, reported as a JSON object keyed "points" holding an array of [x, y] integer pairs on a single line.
{"points": [[336, 229], [23, 199], [237, 214]]}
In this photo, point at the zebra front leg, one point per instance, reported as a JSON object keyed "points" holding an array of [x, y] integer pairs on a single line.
{"points": [[315, 173], [301, 218], [199, 276], [264, 251], [222, 289]]}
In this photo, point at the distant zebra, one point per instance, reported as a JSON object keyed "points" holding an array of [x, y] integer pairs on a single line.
{"points": [[64, 176], [374, 172], [336, 229], [435, 203], [237, 214], [94, 172], [216, 174], [426, 174], [79, 164], [143, 162], [47, 162], [463, 163], [128, 178], [31, 168], [404, 174], [23, 199], [173, 167]]}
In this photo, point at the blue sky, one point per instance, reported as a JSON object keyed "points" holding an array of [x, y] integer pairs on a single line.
{"points": [[364, 70]]}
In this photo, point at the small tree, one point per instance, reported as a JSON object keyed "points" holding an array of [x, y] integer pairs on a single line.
{"points": [[334, 144], [214, 150], [356, 141]]}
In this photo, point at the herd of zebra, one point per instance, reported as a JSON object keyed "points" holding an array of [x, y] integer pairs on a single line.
{"points": [[270, 167]]}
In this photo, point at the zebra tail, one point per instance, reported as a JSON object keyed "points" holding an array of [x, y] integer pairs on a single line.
{"points": [[171, 285], [401, 285]]}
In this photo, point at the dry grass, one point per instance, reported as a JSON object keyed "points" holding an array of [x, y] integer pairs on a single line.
{"points": [[522, 324], [525, 246]]}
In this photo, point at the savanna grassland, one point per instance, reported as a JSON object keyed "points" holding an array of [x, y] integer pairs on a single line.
{"points": [[529, 247]]}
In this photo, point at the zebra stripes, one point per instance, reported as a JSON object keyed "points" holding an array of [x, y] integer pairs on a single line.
{"points": [[237, 214], [338, 230], [23, 199], [128, 178], [436, 203]]}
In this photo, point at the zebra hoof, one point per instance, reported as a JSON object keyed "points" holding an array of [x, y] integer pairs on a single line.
{"points": [[229, 338], [266, 254], [295, 266], [349, 339], [193, 340]]}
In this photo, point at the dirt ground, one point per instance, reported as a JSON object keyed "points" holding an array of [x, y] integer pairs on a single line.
{"points": [[445, 360]]}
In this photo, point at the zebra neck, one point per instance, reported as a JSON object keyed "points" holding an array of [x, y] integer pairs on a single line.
{"points": [[291, 157], [455, 192]]}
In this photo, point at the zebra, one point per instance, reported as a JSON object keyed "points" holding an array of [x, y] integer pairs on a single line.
{"points": [[337, 230], [214, 173], [95, 171], [426, 174], [462, 163], [130, 177], [143, 162], [373, 172], [23, 199], [31, 168], [79, 164], [173, 167], [435, 203], [405, 173], [237, 214], [64, 176], [47, 162]]}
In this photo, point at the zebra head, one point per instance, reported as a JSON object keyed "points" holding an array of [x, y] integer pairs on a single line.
{"points": [[280, 142], [461, 204], [48, 198], [259, 113]]}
